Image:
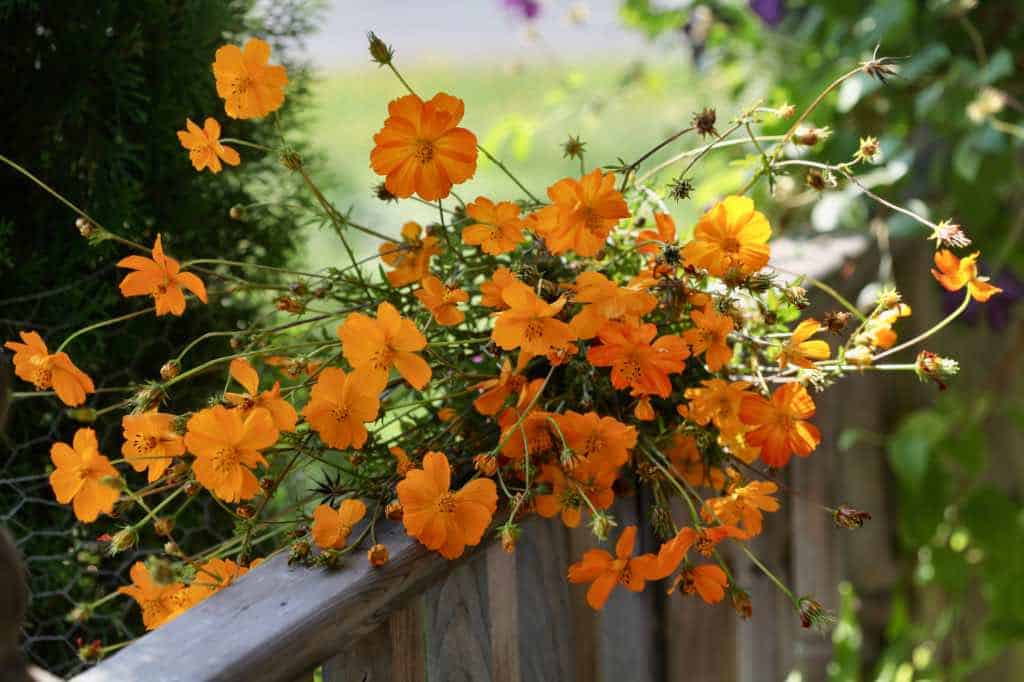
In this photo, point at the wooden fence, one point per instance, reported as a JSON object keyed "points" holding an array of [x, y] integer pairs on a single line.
{"points": [[511, 618]]}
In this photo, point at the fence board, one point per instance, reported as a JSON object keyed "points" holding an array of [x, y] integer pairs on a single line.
{"points": [[458, 626]]}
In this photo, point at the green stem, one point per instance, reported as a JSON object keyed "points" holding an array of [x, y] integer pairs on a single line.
{"points": [[105, 323], [507, 172], [934, 330]]}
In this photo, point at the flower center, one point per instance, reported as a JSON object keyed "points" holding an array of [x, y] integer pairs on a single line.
{"points": [[225, 459], [591, 220], [42, 377], [594, 445], [446, 503], [144, 443], [630, 368], [534, 329], [424, 151], [731, 245], [625, 573], [340, 413], [383, 358]]}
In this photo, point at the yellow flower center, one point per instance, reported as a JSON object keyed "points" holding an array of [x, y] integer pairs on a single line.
{"points": [[446, 503], [424, 151], [144, 443], [41, 377]]}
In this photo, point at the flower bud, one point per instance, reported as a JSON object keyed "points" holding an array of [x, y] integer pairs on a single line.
{"points": [[835, 321], [813, 614], [601, 523], [163, 526], [171, 549], [123, 540], [486, 463], [932, 366], [291, 161], [741, 603], [509, 537], [377, 555], [246, 511], [191, 488], [91, 652], [236, 212], [393, 510], [170, 369], [380, 52], [85, 227]]}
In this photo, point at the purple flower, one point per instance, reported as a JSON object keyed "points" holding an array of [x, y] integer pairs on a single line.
{"points": [[528, 8], [996, 311], [770, 11]]}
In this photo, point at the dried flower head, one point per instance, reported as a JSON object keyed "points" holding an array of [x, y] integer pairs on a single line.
{"points": [[878, 67], [846, 516], [869, 151], [573, 148], [948, 233], [704, 122], [680, 188]]}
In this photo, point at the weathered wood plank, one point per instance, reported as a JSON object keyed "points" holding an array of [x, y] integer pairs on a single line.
{"points": [[278, 622], [458, 626], [408, 642], [368, 660], [503, 601]]}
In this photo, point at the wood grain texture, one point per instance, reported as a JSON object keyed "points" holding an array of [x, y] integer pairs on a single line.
{"points": [[368, 660], [458, 626], [278, 622], [503, 602]]}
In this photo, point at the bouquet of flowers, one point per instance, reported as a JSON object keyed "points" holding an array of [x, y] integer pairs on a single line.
{"points": [[531, 354]]}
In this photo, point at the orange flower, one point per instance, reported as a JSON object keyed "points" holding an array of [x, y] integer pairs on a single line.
{"points": [[529, 323], [604, 300], [410, 258], [160, 277], [212, 577], [34, 364], [799, 350], [79, 477], [204, 146], [339, 406], [402, 462], [605, 571], [689, 463], [743, 504], [711, 337], [421, 150], [653, 241], [732, 235], [780, 429], [717, 401], [643, 411], [331, 527], [707, 580], [635, 361], [441, 300], [150, 442], [498, 228], [492, 289], [955, 273], [160, 603], [374, 346], [494, 392], [565, 496], [250, 87], [227, 448], [582, 214], [280, 409], [605, 442], [443, 520], [535, 434]]}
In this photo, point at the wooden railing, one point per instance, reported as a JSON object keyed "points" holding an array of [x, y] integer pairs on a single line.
{"points": [[500, 617]]}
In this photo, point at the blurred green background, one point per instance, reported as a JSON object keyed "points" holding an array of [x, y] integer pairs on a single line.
{"points": [[622, 75]]}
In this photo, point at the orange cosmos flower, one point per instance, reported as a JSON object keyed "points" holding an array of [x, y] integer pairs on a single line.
{"points": [[421, 149], [150, 442], [331, 527], [800, 349], [653, 241], [79, 477], [339, 406], [529, 322], [689, 463], [443, 520], [212, 577], [280, 409], [635, 361], [374, 346], [605, 442], [779, 424], [604, 300], [34, 363], [249, 85], [161, 278], [159, 603], [707, 580], [536, 434], [227, 448], [204, 146], [410, 258], [743, 504], [732, 235], [717, 401], [442, 301], [494, 392], [711, 337], [582, 214], [605, 571], [492, 289], [955, 273], [498, 228], [565, 496]]}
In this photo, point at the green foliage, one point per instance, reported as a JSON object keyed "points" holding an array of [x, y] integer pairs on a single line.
{"points": [[98, 89]]}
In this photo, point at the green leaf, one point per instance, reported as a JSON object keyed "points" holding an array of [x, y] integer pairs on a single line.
{"points": [[911, 446]]}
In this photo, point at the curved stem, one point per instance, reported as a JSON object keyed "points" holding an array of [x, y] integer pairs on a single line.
{"points": [[934, 330], [104, 323], [507, 172]]}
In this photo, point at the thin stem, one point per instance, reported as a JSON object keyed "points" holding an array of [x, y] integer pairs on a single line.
{"points": [[104, 323], [937, 328], [507, 172]]}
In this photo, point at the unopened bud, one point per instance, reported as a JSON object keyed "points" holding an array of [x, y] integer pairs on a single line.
{"points": [[163, 526], [170, 369], [291, 161], [933, 366], [171, 549], [377, 555], [123, 540], [486, 463], [741, 603], [813, 614], [380, 52], [191, 488], [393, 510], [246, 511], [601, 523], [236, 212], [85, 227]]}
